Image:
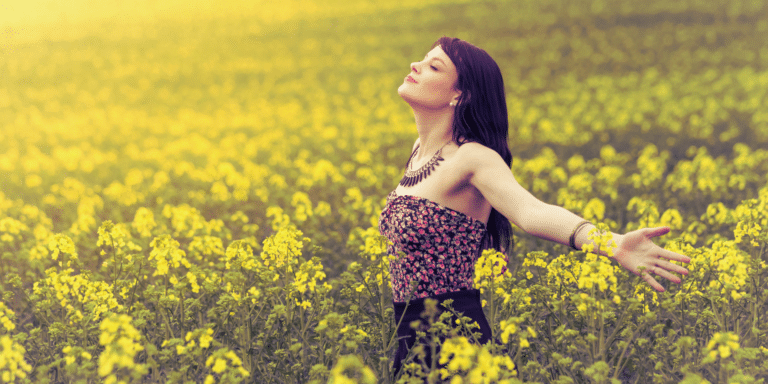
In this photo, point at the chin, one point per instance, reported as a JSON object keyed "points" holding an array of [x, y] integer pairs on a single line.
{"points": [[403, 93], [402, 89]]}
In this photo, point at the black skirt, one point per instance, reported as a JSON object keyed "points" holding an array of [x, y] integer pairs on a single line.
{"points": [[466, 302]]}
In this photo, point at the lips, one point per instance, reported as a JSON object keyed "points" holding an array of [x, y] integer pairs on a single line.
{"points": [[411, 79]]}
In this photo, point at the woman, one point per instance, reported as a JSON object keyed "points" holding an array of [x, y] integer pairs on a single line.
{"points": [[458, 195]]}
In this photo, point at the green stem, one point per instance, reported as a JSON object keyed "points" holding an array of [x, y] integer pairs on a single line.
{"points": [[619, 365], [167, 323], [493, 314], [381, 298], [717, 315], [135, 284], [114, 267], [181, 315]]}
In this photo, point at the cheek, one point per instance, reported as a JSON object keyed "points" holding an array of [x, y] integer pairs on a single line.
{"points": [[439, 86]]}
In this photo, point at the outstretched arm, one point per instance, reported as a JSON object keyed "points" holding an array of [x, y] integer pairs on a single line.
{"points": [[634, 250]]}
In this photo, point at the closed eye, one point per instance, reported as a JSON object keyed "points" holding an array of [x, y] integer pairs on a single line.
{"points": [[426, 58]]}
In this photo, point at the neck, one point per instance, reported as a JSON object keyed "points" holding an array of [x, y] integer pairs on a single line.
{"points": [[435, 128]]}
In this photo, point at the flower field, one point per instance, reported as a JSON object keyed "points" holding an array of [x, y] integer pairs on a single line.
{"points": [[194, 199]]}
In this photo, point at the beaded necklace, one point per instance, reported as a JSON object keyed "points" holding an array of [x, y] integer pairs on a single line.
{"points": [[413, 177]]}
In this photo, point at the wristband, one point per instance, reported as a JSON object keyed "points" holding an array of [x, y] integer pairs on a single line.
{"points": [[572, 239]]}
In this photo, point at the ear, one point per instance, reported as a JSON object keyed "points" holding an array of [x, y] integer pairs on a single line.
{"points": [[456, 97], [461, 98]]}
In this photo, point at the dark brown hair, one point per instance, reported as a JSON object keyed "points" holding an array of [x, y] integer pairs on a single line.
{"points": [[481, 117]]}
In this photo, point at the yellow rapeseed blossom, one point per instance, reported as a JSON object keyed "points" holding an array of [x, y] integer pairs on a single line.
{"points": [[535, 259], [201, 337], [646, 295], [349, 369], [508, 327], [303, 206], [457, 353], [186, 221], [254, 294], [563, 270], [308, 275], [671, 218], [491, 369], [645, 210], [86, 213], [652, 166], [167, 254], [465, 362], [595, 270], [721, 345], [240, 254], [206, 338], [594, 209], [111, 235], [205, 245], [192, 280], [223, 361], [69, 289], [121, 344], [375, 245], [62, 244], [731, 263], [11, 228], [282, 248], [490, 268], [6, 318], [279, 218], [12, 363], [752, 222], [144, 222]]}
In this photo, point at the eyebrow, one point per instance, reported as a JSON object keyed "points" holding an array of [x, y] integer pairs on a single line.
{"points": [[436, 58]]}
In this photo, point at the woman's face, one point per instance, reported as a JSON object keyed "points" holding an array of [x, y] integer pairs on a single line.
{"points": [[431, 82]]}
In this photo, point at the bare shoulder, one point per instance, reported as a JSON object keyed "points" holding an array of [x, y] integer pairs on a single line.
{"points": [[475, 154], [474, 159]]}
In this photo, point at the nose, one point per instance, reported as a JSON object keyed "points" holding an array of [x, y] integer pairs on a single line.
{"points": [[414, 67]]}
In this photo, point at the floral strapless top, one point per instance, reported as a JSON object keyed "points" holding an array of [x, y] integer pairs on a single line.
{"points": [[439, 245]]}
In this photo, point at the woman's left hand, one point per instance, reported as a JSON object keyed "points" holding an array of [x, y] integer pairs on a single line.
{"points": [[636, 252]]}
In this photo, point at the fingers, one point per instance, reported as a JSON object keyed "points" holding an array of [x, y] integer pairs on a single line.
{"points": [[673, 267], [669, 255], [661, 272], [654, 232], [662, 269], [652, 282]]}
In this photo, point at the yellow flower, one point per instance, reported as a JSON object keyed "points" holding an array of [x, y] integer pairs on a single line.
{"points": [[205, 339], [350, 369], [144, 222], [12, 362], [61, 244], [722, 344], [507, 328], [167, 254], [120, 341], [219, 366], [457, 354], [490, 267], [282, 248]]}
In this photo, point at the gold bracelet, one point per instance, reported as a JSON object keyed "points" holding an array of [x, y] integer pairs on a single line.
{"points": [[572, 239]]}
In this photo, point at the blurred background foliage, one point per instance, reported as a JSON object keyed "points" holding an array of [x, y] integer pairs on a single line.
{"points": [[97, 92], [213, 125]]}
